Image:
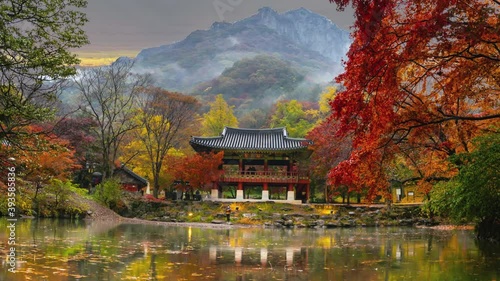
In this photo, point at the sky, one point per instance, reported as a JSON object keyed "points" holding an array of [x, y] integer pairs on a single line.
{"points": [[124, 27]]}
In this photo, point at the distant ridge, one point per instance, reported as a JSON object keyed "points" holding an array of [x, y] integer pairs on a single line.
{"points": [[310, 42]]}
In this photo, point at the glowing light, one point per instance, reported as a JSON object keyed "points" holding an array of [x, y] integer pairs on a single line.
{"points": [[189, 234]]}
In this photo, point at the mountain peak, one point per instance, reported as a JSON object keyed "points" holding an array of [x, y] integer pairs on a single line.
{"points": [[220, 25], [267, 11], [303, 13], [301, 10], [306, 39]]}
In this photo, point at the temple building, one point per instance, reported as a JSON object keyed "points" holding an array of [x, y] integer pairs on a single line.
{"points": [[131, 181], [261, 164]]}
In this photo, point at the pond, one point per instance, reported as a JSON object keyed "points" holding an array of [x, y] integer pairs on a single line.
{"points": [[78, 250]]}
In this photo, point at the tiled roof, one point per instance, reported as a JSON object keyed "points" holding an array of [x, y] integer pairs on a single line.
{"points": [[251, 140], [132, 174]]}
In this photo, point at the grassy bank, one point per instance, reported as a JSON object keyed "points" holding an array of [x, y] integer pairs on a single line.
{"points": [[57, 200]]}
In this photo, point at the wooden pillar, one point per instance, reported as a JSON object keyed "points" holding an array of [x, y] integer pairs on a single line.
{"points": [[290, 195], [239, 192], [215, 191], [265, 191], [265, 185]]}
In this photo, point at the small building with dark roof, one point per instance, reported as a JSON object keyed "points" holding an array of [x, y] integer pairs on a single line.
{"points": [[266, 159], [131, 181]]}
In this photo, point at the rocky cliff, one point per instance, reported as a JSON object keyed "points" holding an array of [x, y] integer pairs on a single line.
{"points": [[311, 42]]}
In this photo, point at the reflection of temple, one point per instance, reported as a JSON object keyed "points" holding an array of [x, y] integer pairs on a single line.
{"points": [[293, 256], [265, 159]]}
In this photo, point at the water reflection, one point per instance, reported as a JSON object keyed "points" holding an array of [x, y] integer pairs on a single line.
{"points": [[65, 250]]}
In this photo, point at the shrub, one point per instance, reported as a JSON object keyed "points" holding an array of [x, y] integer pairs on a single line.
{"points": [[81, 191], [473, 195], [60, 192], [108, 193]]}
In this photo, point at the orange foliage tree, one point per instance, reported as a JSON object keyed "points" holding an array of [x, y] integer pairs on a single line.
{"points": [[44, 157], [199, 169], [421, 81]]}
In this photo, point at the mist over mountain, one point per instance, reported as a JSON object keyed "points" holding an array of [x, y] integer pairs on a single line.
{"points": [[310, 44], [253, 83]]}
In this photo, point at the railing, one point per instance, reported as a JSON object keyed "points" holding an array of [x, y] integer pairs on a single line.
{"points": [[264, 176]]}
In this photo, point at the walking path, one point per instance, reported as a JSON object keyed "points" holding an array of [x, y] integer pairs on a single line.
{"points": [[98, 212]]}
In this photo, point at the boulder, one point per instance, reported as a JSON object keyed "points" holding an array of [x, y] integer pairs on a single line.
{"points": [[313, 217], [276, 215], [220, 216], [332, 224], [249, 215]]}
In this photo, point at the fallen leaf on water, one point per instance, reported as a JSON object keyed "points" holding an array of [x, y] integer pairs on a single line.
{"points": [[77, 276]]}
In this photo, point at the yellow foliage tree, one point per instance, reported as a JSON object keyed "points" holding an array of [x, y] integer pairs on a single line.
{"points": [[163, 118], [291, 115], [219, 116], [136, 158], [326, 97]]}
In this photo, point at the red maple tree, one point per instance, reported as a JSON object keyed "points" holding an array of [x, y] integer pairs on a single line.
{"points": [[200, 170], [422, 76], [329, 151]]}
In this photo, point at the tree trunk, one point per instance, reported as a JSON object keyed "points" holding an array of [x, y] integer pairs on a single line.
{"points": [[156, 191], [156, 187], [156, 179], [37, 188]]}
